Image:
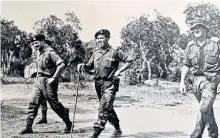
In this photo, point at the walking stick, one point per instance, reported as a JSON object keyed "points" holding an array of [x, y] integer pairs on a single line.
{"points": [[74, 112]]}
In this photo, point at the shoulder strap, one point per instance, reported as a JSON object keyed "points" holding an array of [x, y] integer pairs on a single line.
{"points": [[215, 39], [190, 43]]}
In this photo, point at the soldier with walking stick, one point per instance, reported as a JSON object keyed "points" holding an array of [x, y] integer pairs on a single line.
{"points": [[105, 61]]}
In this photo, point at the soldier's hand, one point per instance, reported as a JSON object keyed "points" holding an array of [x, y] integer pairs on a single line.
{"points": [[50, 80], [117, 73], [80, 67], [182, 88]]}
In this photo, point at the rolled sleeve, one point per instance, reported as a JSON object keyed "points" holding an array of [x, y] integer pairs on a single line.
{"points": [[56, 58], [123, 57], [187, 61], [90, 64], [218, 51]]}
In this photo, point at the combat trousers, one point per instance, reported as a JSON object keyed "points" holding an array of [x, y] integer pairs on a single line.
{"points": [[106, 93], [42, 91], [44, 106], [205, 93]]}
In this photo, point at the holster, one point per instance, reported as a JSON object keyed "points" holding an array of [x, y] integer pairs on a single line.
{"points": [[116, 82], [215, 82]]}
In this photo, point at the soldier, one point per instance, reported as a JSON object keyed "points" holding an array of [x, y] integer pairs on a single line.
{"points": [[35, 55], [105, 61], [50, 66], [202, 56]]}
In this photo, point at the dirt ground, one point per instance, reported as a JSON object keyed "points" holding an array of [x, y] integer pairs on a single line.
{"points": [[144, 112]]}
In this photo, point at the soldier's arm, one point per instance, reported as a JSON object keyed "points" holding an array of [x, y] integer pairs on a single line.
{"points": [[124, 58], [90, 64], [184, 73], [60, 66], [218, 43], [217, 40], [59, 70], [186, 65]]}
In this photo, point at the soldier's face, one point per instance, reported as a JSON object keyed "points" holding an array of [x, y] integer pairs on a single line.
{"points": [[199, 31], [38, 45], [102, 40]]}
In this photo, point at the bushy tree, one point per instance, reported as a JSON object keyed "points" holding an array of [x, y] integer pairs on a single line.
{"points": [[15, 48], [151, 42], [64, 37], [207, 11]]}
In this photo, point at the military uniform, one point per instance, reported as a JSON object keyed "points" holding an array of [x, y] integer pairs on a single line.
{"points": [[47, 62], [105, 64], [205, 64], [35, 56]]}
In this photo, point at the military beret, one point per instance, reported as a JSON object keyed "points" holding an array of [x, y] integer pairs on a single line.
{"points": [[104, 32], [38, 37], [199, 22]]}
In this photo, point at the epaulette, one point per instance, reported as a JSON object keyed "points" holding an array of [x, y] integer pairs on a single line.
{"points": [[190, 43], [215, 39], [50, 49], [96, 49]]}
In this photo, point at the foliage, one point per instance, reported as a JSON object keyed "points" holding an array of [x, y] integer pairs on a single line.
{"points": [[65, 40], [15, 49], [63, 34], [151, 42], [207, 11]]}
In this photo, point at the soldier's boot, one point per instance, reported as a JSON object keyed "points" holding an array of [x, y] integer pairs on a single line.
{"points": [[118, 131], [43, 120], [68, 123], [28, 128], [96, 132]]}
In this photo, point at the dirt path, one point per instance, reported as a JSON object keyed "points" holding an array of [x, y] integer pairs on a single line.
{"points": [[144, 112]]}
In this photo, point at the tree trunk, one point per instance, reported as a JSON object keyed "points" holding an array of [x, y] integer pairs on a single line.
{"points": [[142, 69], [149, 70], [3, 62], [161, 70], [11, 53]]}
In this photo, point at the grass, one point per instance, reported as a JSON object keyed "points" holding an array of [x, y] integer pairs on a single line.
{"points": [[15, 80], [10, 112], [14, 118]]}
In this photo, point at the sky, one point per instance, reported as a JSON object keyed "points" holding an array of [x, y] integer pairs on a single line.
{"points": [[95, 15]]}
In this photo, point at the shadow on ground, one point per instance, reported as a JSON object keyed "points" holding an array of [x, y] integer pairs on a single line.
{"points": [[158, 134]]}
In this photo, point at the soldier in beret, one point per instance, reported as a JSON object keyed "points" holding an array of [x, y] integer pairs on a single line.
{"points": [[105, 61], [35, 54], [43, 105], [50, 66], [202, 57]]}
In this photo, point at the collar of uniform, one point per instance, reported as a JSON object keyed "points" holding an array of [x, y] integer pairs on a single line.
{"points": [[206, 42], [104, 51], [45, 49]]}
